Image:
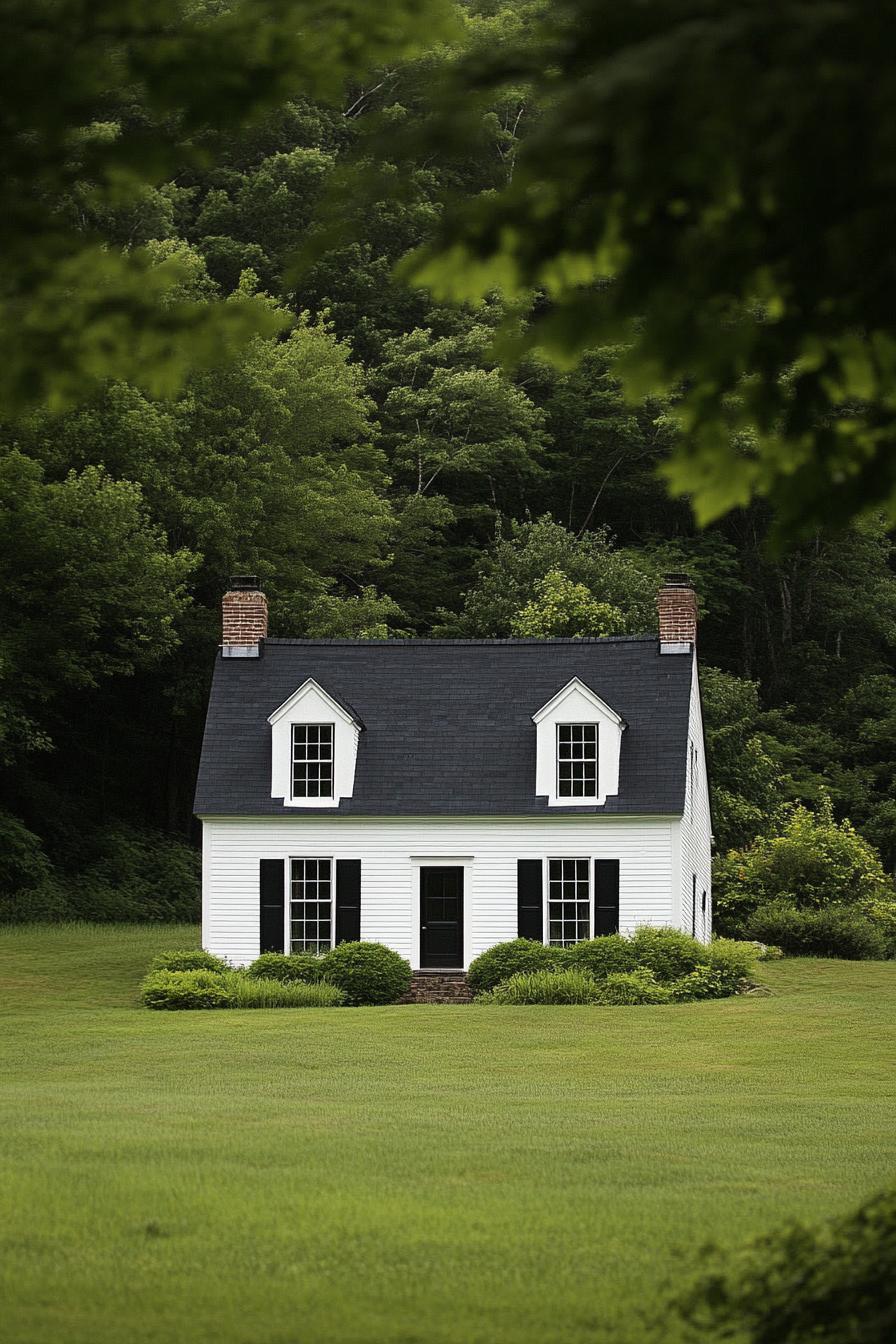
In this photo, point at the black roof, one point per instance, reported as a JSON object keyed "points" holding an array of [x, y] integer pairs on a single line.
{"points": [[448, 723]]}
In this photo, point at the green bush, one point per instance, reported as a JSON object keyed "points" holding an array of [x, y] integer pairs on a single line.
{"points": [[256, 992], [768, 951], [601, 956], [814, 863], [732, 961], [368, 972], [286, 967], [133, 875], [503, 960], [193, 959], [827, 1285], [569, 986], [704, 982], [631, 987], [833, 932], [669, 953], [187, 989]]}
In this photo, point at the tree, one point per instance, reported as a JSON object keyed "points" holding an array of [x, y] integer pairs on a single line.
{"points": [[101, 103], [561, 607], [511, 575], [680, 178]]}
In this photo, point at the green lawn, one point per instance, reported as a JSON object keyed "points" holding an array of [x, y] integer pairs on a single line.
{"points": [[393, 1175]]}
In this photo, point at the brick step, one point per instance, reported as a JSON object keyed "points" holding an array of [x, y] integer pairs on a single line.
{"points": [[438, 987]]}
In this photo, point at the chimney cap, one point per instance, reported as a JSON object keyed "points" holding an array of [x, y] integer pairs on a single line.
{"points": [[677, 581], [244, 583]]}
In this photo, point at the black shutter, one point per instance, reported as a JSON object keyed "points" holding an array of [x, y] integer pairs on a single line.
{"points": [[348, 900], [271, 914], [693, 905], [606, 897], [529, 905]]}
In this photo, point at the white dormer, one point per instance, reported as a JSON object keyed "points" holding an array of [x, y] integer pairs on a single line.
{"points": [[314, 747], [578, 740]]}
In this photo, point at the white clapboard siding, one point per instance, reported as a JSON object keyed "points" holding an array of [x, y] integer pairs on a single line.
{"points": [[695, 843], [391, 853]]}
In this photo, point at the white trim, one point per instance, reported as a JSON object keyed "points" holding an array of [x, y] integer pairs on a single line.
{"points": [[297, 696], [418, 863], [578, 685]]}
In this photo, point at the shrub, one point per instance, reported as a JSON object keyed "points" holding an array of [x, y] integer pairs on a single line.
{"points": [[504, 960], [703, 982], [732, 961], [368, 972], [833, 932], [287, 967], [193, 959], [825, 1285], [601, 956], [186, 989], [256, 992], [569, 986], [813, 863], [631, 987], [134, 876], [767, 951], [669, 953]]}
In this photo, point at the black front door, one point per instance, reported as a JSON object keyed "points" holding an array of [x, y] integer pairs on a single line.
{"points": [[442, 917]]}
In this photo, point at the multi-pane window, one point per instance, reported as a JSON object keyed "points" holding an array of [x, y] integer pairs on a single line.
{"points": [[311, 905], [312, 760], [577, 760], [569, 901]]}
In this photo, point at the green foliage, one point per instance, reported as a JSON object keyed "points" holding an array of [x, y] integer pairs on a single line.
{"points": [[639, 986], [561, 607], [814, 862], [517, 957], [733, 960], [128, 96], [693, 240], [369, 973], [259, 992], [833, 931], [510, 576], [187, 989], [601, 956], [561, 986], [703, 982], [286, 967], [194, 959], [668, 953], [134, 876], [830, 1284]]}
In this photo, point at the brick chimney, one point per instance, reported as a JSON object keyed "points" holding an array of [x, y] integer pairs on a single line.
{"points": [[244, 612], [677, 606]]}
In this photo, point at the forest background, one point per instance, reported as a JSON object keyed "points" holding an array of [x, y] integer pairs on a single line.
{"points": [[368, 454]]}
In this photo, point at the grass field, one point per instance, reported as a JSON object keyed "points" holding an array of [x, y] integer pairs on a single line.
{"points": [[441, 1174]]}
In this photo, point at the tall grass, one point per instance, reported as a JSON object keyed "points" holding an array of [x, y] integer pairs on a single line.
{"points": [[249, 993]]}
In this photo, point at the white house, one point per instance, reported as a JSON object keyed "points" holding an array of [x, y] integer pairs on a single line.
{"points": [[441, 796]]}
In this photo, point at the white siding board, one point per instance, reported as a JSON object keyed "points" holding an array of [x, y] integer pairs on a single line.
{"points": [[392, 851], [696, 837]]}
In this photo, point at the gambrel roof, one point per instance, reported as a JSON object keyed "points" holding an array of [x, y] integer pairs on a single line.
{"points": [[448, 723]]}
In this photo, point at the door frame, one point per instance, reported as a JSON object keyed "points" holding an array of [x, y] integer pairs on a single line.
{"points": [[419, 861]]}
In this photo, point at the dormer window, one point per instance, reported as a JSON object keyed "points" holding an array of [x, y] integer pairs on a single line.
{"points": [[576, 760], [578, 737], [312, 760]]}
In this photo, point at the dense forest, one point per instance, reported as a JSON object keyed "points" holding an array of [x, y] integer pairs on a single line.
{"points": [[385, 473]]}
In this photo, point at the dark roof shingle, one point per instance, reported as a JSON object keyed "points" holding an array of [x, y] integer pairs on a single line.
{"points": [[448, 722]]}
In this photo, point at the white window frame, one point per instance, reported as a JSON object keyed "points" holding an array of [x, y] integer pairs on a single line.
{"points": [[312, 797], [546, 888], [577, 797], [306, 858]]}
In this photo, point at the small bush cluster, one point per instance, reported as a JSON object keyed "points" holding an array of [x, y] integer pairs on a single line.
{"points": [[835, 931], [290, 966], [815, 865], [655, 965], [352, 973]]}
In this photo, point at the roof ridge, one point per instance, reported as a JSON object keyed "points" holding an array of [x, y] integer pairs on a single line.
{"points": [[417, 640]]}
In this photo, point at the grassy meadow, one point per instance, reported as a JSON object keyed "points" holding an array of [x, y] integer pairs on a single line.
{"points": [[409, 1174]]}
